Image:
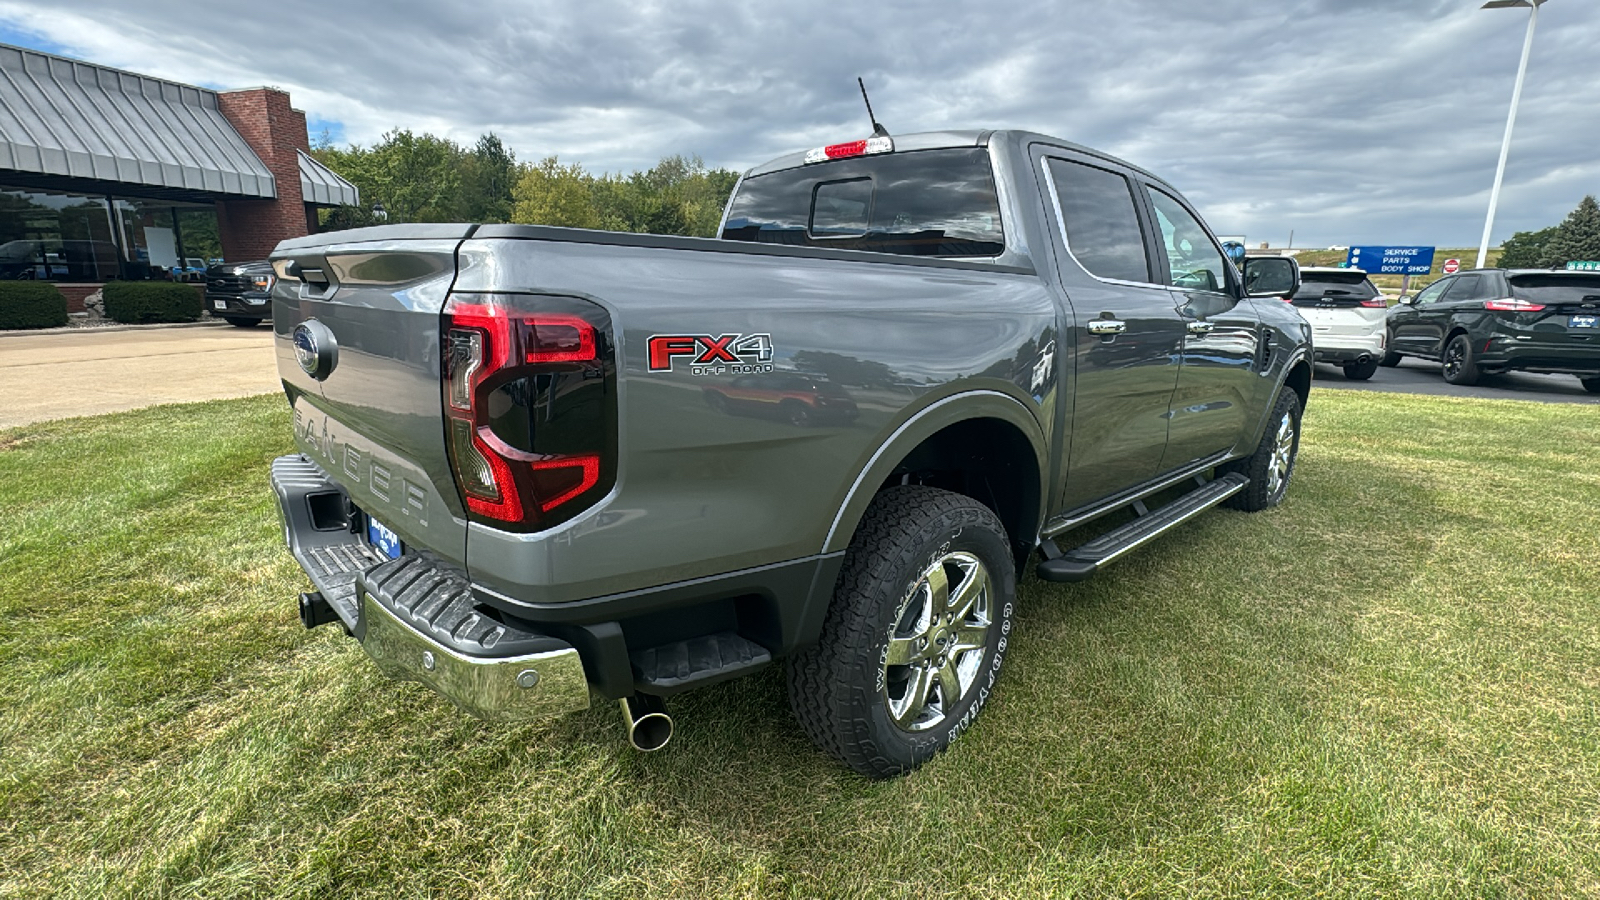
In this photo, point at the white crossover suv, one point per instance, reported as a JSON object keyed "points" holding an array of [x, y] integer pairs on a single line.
{"points": [[1347, 319]]}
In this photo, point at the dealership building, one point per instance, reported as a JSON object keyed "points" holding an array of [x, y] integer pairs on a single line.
{"points": [[106, 174]]}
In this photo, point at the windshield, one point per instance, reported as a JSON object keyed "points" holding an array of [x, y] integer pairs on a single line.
{"points": [[1556, 289], [1316, 285], [924, 203]]}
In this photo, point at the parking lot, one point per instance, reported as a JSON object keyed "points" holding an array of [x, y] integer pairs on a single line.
{"points": [[1416, 376], [91, 371]]}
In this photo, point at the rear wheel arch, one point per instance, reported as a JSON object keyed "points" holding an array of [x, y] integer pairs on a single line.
{"points": [[985, 445]]}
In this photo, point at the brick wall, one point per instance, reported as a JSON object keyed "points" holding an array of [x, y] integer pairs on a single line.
{"points": [[251, 228], [77, 293]]}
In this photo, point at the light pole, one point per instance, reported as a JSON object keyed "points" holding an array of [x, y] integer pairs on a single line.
{"points": [[1516, 95]]}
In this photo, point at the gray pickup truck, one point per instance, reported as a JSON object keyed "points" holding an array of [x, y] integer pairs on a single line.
{"points": [[540, 466]]}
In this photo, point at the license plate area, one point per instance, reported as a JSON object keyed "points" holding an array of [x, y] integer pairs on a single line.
{"points": [[387, 542], [1584, 321], [219, 304]]}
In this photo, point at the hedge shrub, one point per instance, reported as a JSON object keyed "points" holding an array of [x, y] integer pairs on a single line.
{"points": [[135, 302], [31, 304]]}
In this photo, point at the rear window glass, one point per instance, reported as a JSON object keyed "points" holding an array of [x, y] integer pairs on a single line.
{"points": [[1316, 285], [1556, 289], [924, 203]]}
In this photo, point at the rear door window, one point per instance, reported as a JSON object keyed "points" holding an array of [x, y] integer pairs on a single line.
{"points": [[1101, 222], [941, 203], [1464, 288]]}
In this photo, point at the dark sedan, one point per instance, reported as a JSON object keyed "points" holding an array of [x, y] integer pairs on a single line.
{"points": [[1489, 321]]}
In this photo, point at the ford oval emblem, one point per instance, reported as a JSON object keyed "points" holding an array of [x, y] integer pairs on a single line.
{"points": [[315, 349]]}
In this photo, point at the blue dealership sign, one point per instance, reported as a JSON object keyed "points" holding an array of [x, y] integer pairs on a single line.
{"points": [[1387, 260]]}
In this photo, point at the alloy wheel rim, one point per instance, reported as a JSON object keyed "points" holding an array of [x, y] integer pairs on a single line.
{"points": [[1282, 458], [1452, 358], [938, 645]]}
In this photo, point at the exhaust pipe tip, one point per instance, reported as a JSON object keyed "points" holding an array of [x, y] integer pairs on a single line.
{"points": [[649, 726], [1363, 359]]}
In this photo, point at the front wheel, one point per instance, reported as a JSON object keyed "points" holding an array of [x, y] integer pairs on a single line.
{"points": [[1459, 367], [1271, 466], [241, 321], [915, 634]]}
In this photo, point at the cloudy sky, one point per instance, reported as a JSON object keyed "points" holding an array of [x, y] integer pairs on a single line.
{"points": [[1345, 121]]}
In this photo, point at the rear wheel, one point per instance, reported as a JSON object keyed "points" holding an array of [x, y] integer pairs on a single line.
{"points": [[1390, 359], [1361, 371], [1592, 385], [1459, 367], [915, 635], [241, 321], [1272, 465]]}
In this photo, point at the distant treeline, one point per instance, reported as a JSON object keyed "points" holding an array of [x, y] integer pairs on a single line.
{"points": [[426, 178], [1575, 240]]}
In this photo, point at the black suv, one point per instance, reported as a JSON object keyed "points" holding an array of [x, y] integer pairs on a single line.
{"points": [[240, 293], [1489, 321]]}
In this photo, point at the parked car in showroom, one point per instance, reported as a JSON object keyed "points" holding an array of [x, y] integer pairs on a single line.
{"points": [[1491, 321], [240, 294], [1347, 317]]}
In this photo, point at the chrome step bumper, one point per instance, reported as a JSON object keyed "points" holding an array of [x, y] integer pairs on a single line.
{"points": [[416, 616]]}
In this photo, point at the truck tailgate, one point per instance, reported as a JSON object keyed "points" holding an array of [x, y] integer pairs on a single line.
{"points": [[369, 412]]}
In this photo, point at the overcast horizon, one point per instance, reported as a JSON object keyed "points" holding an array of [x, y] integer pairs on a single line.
{"points": [[1344, 121]]}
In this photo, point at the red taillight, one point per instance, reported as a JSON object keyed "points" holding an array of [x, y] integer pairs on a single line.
{"points": [[1512, 304], [521, 358], [1375, 303]]}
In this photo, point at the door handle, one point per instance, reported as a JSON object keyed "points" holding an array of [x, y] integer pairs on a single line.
{"points": [[1107, 326], [1198, 327]]}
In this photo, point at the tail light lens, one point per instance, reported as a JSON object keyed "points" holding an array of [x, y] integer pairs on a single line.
{"points": [[1375, 303], [1512, 304], [529, 390]]}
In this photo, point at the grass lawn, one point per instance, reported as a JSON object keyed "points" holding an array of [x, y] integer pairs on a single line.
{"points": [[1390, 686]]}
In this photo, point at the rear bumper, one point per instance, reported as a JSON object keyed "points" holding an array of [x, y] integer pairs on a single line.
{"points": [[1345, 355], [1507, 354], [416, 617]]}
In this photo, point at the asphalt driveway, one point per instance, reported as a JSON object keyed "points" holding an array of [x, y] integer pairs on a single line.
{"points": [[1416, 376], [90, 371]]}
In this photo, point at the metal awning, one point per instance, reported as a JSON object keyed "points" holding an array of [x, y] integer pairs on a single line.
{"points": [[61, 118], [322, 186]]}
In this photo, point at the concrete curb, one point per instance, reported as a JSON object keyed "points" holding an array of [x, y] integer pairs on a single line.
{"points": [[26, 332]]}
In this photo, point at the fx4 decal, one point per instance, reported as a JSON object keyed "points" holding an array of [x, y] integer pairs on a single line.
{"points": [[712, 355]]}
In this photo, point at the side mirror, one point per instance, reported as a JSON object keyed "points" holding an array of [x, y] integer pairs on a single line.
{"points": [[1235, 251], [1407, 301], [1271, 276]]}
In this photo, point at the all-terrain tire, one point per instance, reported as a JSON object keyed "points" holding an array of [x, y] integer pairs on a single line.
{"points": [[1458, 366], [1271, 467], [1361, 371], [844, 690]]}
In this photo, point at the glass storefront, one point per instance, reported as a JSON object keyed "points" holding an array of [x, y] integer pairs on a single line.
{"points": [[49, 235]]}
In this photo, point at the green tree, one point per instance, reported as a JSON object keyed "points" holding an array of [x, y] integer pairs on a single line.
{"points": [[488, 173], [1577, 238], [416, 177], [1526, 249], [552, 194]]}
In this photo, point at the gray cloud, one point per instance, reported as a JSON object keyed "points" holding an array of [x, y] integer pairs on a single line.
{"points": [[1348, 121]]}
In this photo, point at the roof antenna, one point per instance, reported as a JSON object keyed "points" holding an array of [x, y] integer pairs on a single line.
{"points": [[877, 130]]}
